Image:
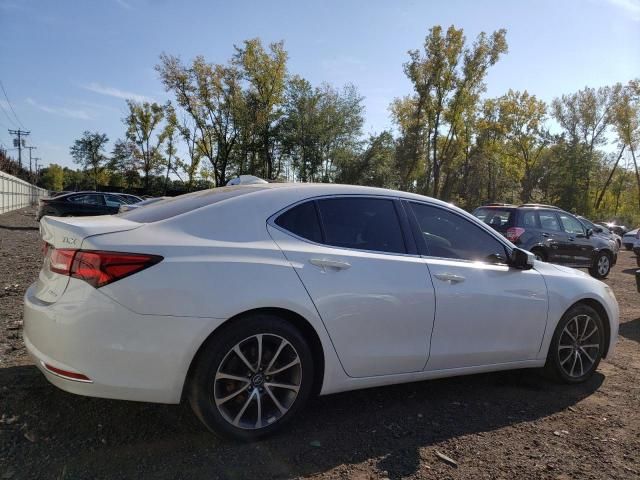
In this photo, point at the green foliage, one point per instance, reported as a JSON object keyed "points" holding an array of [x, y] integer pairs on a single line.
{"points": [[251, 116], [88, 151], [52, 177]]}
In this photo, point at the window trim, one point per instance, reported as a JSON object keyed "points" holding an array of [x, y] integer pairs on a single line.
{"points": [[400, 212], [423, 248]]}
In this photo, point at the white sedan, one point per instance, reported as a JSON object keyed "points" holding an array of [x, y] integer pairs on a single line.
{"points": [[248, 299]]}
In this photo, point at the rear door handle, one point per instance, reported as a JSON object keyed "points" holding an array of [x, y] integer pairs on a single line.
{"points": [[325, 263], [546, 235], [449, 277]]}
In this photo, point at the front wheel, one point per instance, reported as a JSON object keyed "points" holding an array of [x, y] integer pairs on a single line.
{"points": [[577, 345], [252, 377], [601, 265]]}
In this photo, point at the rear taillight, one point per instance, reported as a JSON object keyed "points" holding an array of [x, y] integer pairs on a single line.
{"points": [[60, 259], [98, 268], [514, 233]]}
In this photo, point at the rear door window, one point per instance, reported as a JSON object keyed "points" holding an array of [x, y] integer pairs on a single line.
{"points": [[362, 223], [496, 217], [87, 199], [549, 221]]}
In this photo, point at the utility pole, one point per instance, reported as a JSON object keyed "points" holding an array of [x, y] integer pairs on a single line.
{"points": [[30, 149], [37, 159], [18, 142]]}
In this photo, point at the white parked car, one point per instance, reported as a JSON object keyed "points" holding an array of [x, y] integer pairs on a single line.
{"points": [[248, 299]]}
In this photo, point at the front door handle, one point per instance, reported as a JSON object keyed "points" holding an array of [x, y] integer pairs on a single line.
{"points": [[449, 277], [325, 263]]}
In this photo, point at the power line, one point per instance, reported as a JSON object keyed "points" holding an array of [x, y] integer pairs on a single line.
{"points": [[12, 123], [10, 106]]}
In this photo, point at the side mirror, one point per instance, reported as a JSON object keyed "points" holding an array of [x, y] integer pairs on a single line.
{"points": [[521, 259], [598, 229], [589, 232]]}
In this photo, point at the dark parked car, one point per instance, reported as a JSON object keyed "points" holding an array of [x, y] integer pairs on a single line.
{"points": [[552, 234], [602, 232], [79, 204]]}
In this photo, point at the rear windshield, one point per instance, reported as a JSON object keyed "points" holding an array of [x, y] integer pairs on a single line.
{"points": [[496, 217], [172, 207]]}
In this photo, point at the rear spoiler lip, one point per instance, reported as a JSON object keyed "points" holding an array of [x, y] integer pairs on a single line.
{"points": [[73, 235]]}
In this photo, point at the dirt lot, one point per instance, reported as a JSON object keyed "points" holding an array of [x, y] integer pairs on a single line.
{"points": [[505, 425]]}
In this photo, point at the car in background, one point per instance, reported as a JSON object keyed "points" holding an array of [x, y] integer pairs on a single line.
{"points": [[552, 235], [636, 250], [615, 228], [247, 300], [143, 203], [602, 232], [629, 238], [81, 204]]}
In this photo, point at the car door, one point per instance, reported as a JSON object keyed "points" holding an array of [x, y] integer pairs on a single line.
{"points": [[486, 312], [356, 257], [579, 246], [554, 237]]}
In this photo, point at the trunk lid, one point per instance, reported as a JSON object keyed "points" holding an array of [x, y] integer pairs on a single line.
{"points": [[69, 233]]}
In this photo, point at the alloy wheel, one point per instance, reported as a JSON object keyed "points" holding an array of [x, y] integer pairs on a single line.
{"points": [[257, 381], [603, 265], [579, 346]]}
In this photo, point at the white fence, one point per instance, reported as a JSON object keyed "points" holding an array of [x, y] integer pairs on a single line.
{"points": [[16, 193]]}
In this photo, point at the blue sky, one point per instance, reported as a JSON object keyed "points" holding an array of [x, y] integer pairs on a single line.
{"points": [[67, 66]]}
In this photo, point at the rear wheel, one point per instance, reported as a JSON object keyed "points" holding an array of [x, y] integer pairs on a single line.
{"points": [[577, 345], [252, 377], [601, 265]]}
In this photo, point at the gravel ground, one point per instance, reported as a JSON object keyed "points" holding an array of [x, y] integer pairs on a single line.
{"points": [[504, 425]]}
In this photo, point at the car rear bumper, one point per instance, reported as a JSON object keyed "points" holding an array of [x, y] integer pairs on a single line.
{"points": [[125, 355]]}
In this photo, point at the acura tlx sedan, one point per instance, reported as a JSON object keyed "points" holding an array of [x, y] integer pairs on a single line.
{"points": [[248, 299]]}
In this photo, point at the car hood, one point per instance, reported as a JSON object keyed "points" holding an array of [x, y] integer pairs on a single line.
{"points": [[551, 268]]}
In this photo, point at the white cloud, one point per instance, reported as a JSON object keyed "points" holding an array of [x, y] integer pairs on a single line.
{"points": [[124, 4], [116, 92], [632, 7], [61, 111]]}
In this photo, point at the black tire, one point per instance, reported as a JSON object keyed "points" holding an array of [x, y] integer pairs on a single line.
{"points": [[628, 246], [540, 254], [218, 352], [557, 361], [601, 265]]}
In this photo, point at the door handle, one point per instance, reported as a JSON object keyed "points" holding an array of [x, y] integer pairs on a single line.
{"points": [[325, 263], [571, 239], [449, 277], [546, 235]]}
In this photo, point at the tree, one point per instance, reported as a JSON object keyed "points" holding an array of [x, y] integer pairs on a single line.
{"points": [[126, 161], [626, 121], [88, 152], [266, 72], [375, 166], [522, 117], [52, 177], [447, 79], [584, 117], [141, 122]]}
